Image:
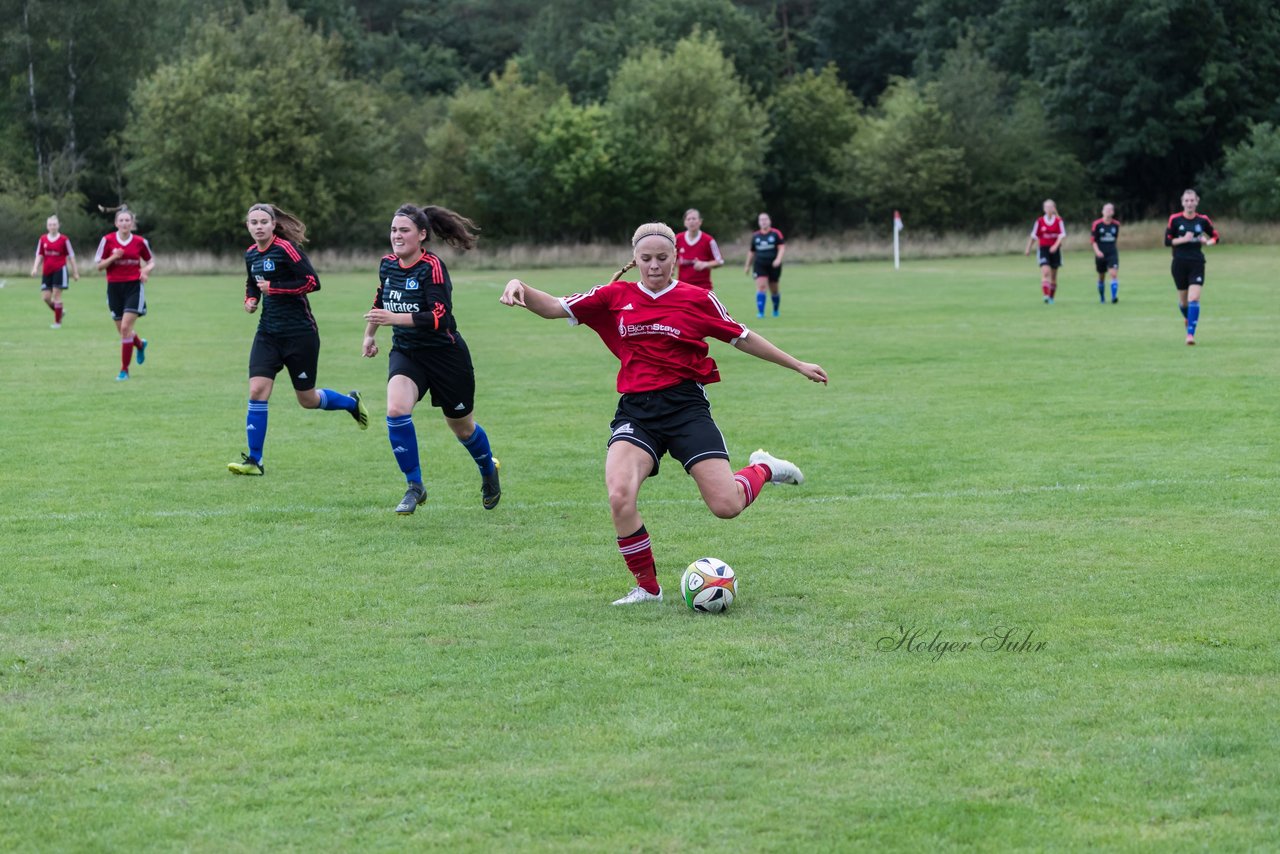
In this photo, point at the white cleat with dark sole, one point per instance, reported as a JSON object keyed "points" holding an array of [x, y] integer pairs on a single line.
{"points": [[639, 595], [783, 471]]}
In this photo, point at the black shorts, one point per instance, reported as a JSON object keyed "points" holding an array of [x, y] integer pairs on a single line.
{"points": [[675, 420], [126, 297], [767, 270], [1052, 260], [299, 353], [1106, 262], [1187, 272], [57, 279], [446, 372]]}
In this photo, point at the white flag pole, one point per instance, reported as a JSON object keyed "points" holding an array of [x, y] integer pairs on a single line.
{"points": [[897, 227]]}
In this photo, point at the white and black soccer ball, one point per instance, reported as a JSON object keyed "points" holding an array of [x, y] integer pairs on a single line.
{"points": [[709, 585]]}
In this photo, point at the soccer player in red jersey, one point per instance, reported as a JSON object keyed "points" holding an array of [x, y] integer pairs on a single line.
{"points": [[656, 327], [53, 255], [415, 298], [278, 277], [1187, 232], [1049, 231], [1103, 235], [764, 260], [697, 251], [128, 261]]}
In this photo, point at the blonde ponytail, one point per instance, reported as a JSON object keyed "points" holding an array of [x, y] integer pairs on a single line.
{"points": [[618, 275]]}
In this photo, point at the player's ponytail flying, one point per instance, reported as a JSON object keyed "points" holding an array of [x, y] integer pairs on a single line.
{"points": [[286, 225], [450, 226]]}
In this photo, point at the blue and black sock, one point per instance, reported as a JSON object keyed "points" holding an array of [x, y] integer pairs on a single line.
{"points": [[760, 303], [404, 444], [777, 300], [1102, 291], [330, 399], [1193, 316], [255, 428], [478, 447], [1115, 289]]}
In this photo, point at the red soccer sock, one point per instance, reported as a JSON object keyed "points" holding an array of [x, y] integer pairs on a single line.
{"points": [[57, 312], [753, 478], [1053, 290], [1044, 287], [126, 354], [637, 551], [137, 340]]}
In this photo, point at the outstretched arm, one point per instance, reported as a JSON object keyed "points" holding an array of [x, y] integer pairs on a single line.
{"points": [[538, 302], [760, 347]]}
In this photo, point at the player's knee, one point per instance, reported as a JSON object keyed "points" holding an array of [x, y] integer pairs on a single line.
{"points": [[725, 507], [622, 499]]}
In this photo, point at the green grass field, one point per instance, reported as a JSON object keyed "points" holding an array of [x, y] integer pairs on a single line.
{"points": [[195, 661]]}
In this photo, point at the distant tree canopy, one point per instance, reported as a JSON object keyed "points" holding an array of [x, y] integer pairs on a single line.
{"points": [[571, 119]]}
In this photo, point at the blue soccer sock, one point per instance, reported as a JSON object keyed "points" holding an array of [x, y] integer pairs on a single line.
{"points": [[478, 447], [760, 303], [1102, 291], [255, 428], [1193, 316], [1115, 289], [330, 399], [777, 300], [404, 444]]}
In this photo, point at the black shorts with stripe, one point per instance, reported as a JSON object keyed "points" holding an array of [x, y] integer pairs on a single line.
{"points": [[56, 279], [1106, 261], [674, 420], [445, 372], [299, 353], [1052, 260], [126, 297]]}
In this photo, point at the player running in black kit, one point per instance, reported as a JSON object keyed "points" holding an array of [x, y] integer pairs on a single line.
{"points": [[764, 260], [415, 298], [1187, 233], [279, 279], [1103, 236]]}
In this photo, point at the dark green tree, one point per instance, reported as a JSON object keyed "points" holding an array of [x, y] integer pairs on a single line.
{"points": [[235, 120]]}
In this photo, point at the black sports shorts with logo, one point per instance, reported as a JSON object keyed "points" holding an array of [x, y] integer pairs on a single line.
{"points": [[1106, 262], [126, 297], [299, 353], [675, 420], [446, 372], [1052, 260], [1187, 272]]}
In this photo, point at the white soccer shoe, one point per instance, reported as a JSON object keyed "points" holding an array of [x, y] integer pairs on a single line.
{"points": [[638, 595], [783, 471]]}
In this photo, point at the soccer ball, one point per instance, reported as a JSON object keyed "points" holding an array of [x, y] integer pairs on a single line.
{"points": [[709, 585]]}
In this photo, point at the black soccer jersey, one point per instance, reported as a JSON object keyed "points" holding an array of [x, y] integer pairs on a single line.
{"points": [[286, 310], [1180, 226], [423, 290], [765, 244], [1104, 235]]}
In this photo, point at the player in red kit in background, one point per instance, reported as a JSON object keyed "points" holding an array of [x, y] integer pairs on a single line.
{"points": [[656, 327], [1049, 231], [698, 252], [53, 255], [128, 261]]}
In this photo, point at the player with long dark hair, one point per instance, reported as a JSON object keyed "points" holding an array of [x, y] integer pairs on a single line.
{"points": [[428, 355], [1186, 233], [278, 278], [128, 261], [657, 328], [53, 256]]}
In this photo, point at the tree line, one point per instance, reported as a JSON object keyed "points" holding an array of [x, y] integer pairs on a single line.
{"points": [[576, 119]]}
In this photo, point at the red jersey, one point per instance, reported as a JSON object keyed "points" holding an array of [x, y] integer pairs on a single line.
{"points": [[54, 251], [127, 268], [1049, 233], [702, 249], [657, 337]]}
